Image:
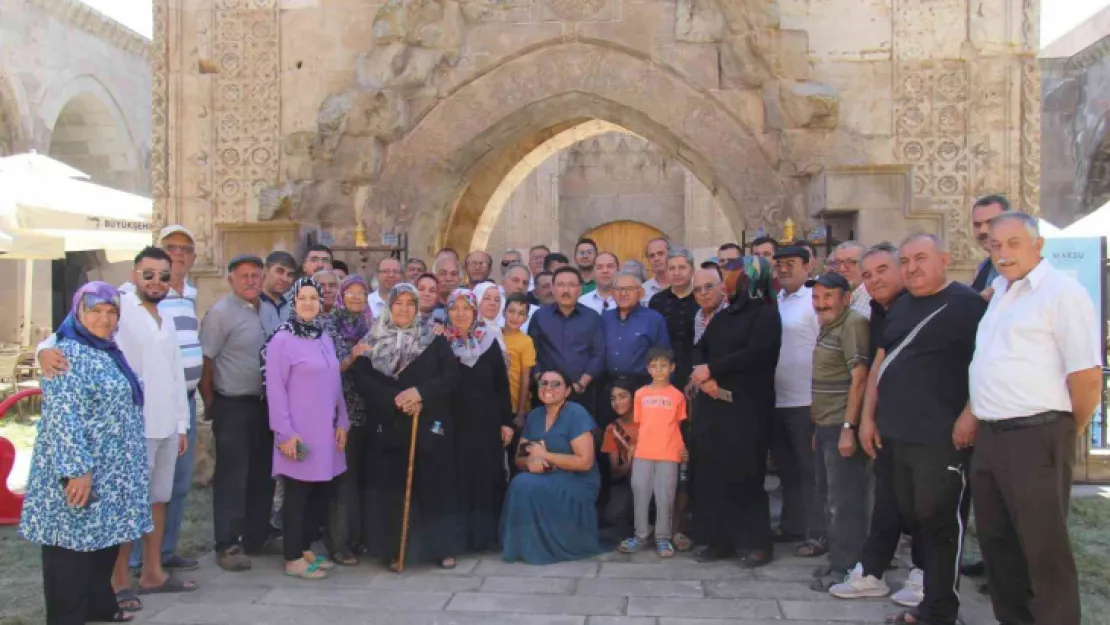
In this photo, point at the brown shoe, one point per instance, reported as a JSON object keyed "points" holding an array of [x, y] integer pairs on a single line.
{"points": [[233, 559]]}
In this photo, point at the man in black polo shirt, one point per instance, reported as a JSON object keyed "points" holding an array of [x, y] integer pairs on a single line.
{"points": [[917, 407]]}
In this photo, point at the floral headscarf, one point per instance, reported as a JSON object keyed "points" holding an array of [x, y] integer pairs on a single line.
{"points": [[469, 346], [753, 275], [86, 297], [392, 347], [350, 327]]}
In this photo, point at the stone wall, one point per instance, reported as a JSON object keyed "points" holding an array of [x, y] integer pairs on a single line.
{"points": [[269, 109], [1076, 122]]}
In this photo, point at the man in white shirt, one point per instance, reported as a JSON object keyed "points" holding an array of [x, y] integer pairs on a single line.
{"points": [[656, 252], [605, 269], [1036, 381], [845, 261], [389, 275], [792, 434]]}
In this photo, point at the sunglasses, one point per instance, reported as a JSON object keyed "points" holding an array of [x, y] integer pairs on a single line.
{"points": [[551, 384], [506, 263], [149, 274]]}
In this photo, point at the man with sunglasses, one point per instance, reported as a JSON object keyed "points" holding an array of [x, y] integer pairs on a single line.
{"points": [[508, 259]]}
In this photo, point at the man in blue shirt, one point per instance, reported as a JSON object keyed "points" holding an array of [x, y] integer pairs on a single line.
{"points": [[569, 337], [630, 331]]}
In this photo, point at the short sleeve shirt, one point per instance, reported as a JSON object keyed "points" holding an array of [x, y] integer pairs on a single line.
{"points": [[923, 380], [609, 443], [522, 355], [658, 412], [231, 336], [841, 346]]}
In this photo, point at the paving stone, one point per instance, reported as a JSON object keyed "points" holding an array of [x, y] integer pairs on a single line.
{"points": [[605, 587], [531, 585], [425, 582], [774, 573], [621, 620], [503, 603], [749, 589], [239, 614], [851, 611], [704, 608], [275, 577], [680, 570], [311, 595], [743, 621], [497, 568], [221, 594]]}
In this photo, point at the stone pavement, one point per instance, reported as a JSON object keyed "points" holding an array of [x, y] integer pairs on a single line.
{"points": [[612, 589]]}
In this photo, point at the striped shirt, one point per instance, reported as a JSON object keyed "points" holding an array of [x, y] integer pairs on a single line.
{"points": [[182, 309]]}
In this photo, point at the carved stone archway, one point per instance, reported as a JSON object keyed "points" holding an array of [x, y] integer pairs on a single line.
{"points": [[438, 179]]}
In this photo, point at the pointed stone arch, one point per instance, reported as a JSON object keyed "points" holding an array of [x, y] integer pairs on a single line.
{"points": [[438, 179]]}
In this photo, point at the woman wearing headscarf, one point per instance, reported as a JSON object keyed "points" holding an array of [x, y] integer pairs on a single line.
{"points": [[483, 414], [309, 420], [350, 322], [490, 303], [409, 373], [88, 490]]}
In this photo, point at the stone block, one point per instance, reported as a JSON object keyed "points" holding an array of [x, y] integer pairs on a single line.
{"points": [[356, 598], [641, 28], [297, 155], [505, 603], [620, 620], [847, 611], [684, 570], [802, 105], [699, 21], [698, 62], [736, 589], [380, 114], [578, 10], [396, 66], [530, 585], [868, 105], [421, 582], [605, 587], [337, 615], [747, 104], [864, 36], [789, 54], [497, 568], [704, 608], [356, 159], [744, 62]]}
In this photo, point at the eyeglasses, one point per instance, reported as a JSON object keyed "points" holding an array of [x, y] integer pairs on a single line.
{"points": [[508, 263], [551, 384], [626, 290], [705, 288], [834, 264], [179, 249], [149, 274]]}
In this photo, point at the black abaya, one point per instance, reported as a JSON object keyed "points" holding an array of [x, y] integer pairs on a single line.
{"points": [[434, 518], [481, 406], [729, 441]]}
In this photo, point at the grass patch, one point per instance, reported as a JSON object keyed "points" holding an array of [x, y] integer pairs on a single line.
{"points": [[21, 562], [22, 435], [1090, 541]]}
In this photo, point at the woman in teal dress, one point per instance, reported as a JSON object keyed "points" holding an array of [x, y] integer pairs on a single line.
{"points": [[549, 514], [88, 491]]}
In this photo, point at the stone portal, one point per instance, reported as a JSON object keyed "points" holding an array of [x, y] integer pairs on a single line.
{"points": [[421, 117]]}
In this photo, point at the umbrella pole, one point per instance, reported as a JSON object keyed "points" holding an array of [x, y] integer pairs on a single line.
{"points": [[28, 299], [408, 494]]}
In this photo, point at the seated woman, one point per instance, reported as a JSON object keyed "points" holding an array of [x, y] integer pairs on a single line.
{"points": [[88, 490], [550, 514], [409, 373]]}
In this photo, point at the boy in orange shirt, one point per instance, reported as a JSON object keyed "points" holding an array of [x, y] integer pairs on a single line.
{"points": [[659, 409]]}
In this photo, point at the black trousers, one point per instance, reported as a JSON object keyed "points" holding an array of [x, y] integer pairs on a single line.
{"points": [[791, 448], [78, 585], [886, 521], [344, 535], [242, 487], [304, 511], [1022, 481], [930, 482]]}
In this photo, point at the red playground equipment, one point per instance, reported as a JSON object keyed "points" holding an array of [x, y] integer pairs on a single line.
{"points": [[10, 503]]}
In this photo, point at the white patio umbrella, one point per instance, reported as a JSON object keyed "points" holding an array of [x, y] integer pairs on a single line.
{"points": [[1096, 224], [34, 163]]}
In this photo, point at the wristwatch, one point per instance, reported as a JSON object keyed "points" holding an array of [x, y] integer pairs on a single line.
{"points": [[849, 426]]}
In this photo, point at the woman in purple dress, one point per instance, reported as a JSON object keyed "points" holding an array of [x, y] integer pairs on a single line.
{"points": [[309, 420]]}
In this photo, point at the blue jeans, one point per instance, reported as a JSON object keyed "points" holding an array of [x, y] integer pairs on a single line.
{"points": [[182, 482]]}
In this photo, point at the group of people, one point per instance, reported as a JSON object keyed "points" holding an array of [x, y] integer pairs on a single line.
{"points": [[576, 393]]}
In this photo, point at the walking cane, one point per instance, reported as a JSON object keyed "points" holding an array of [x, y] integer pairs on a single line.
{"points": [[408, 492]]}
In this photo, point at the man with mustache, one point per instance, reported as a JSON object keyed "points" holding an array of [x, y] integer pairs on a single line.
{"points": [[840, 362], [883, 279], [1036, 381], [983, 211], [917, 406]]}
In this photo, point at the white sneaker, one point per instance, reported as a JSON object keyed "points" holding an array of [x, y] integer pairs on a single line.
{"points": [[912, 592], [858, 586]]}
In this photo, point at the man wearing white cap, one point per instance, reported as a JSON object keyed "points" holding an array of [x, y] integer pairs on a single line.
{"points": [[179, 306]]}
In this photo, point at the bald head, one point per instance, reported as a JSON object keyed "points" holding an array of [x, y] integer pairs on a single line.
{"points": [[708, 289]]}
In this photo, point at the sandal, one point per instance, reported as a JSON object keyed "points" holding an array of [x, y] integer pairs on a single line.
{"points": [[323, 563], [664, 548], [311, 571], [682, 542], [171, 585], [448, 563], [632, 545], [128, 601], [811, 549]]}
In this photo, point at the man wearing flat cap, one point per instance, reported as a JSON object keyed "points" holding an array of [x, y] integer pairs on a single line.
{"points": [[840, 366], [231, 337]]}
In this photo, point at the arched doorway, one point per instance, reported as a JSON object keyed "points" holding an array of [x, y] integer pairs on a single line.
{"points": [[627, 239]]}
